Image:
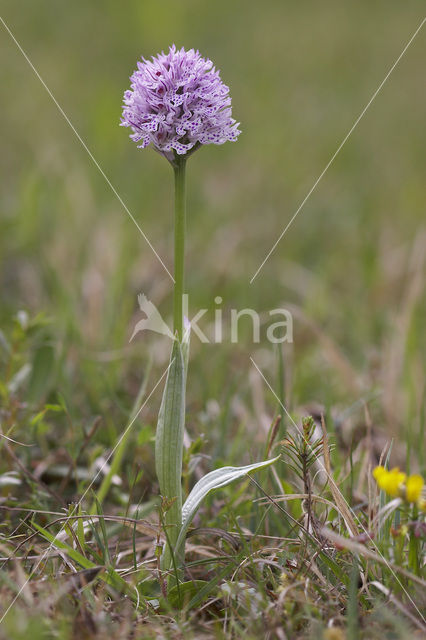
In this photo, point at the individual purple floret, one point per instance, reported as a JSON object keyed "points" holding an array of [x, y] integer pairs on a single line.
{"points": [[178, 102]]}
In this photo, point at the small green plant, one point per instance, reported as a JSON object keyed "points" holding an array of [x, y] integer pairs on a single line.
{"points": [[302, 450]]}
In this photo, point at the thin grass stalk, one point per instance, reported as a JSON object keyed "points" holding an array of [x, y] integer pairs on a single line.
{"points": [[116, 462]]}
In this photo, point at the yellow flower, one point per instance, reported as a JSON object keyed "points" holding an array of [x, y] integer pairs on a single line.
{"points": [[379, 472], [413, 488], [396, 484], [391, 482]]}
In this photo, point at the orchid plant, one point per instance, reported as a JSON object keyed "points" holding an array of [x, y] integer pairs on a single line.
{"points": [[177, 103]]}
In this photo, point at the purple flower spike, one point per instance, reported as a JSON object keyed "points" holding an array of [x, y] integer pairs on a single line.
{"points": [[178, 102]]}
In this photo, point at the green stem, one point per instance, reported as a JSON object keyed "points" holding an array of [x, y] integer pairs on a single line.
{"points": [[414, 546], [171, 419], [180, 215]]}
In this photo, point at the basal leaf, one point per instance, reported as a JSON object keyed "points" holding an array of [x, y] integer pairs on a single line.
{"points": [[213, 480]]}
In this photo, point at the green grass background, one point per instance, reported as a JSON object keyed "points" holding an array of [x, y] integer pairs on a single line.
{"points": [[352, 262]]}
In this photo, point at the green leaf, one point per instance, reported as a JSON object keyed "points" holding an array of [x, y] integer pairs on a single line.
{"points": [[180, 596], [210, 587], [169, 441], [80, 529], [75, 555], [211, 481], [41, 373], [111, 577]]}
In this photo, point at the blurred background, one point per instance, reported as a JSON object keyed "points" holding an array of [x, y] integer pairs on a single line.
{"points": [[350, 268]]}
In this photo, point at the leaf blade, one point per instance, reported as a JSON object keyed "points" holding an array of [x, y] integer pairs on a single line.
{"points": [[169, 440], [211, 481]]}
